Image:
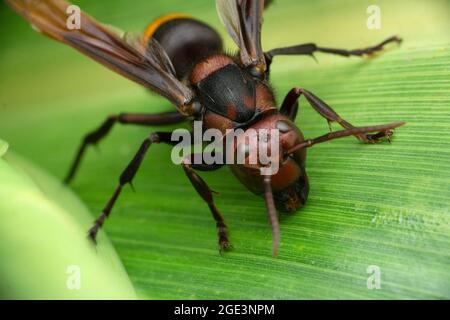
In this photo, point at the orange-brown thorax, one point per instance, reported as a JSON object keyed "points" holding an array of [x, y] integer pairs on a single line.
{"points": [[230, 95]]}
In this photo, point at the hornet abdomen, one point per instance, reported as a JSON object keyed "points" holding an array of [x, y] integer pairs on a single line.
{"points": [[185, 40]]}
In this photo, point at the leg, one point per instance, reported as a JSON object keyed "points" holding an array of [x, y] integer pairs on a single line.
{"points": [[272, 213], [127, 177], [124, 118], [344, 133], [206, 193], [311, 48], [328, 113], [289, 108]]}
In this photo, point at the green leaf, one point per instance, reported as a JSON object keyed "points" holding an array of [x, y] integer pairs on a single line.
{"points": [[3, 147], [44, 250], [382, 205]]}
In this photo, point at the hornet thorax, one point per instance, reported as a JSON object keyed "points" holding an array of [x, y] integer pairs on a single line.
{"points": [[227, 91]]}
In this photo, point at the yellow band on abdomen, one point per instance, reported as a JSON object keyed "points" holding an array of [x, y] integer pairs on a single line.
{"points": [[151, 28]]}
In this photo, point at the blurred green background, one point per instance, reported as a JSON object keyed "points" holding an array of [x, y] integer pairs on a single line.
{"points": [[384, 205]]}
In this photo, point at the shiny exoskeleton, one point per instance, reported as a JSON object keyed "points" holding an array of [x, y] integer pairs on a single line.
{"points": [[183, 60], [232, 97]]}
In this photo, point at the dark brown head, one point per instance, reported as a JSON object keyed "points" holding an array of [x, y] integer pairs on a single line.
{"points": [[290, 183]]}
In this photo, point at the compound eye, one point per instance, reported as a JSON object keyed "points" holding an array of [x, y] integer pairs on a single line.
{"points": [[283, 126], [257, 72]]}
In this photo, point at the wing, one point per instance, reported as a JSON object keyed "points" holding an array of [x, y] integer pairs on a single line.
{"points": [[147, 65], [243, 20]]}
